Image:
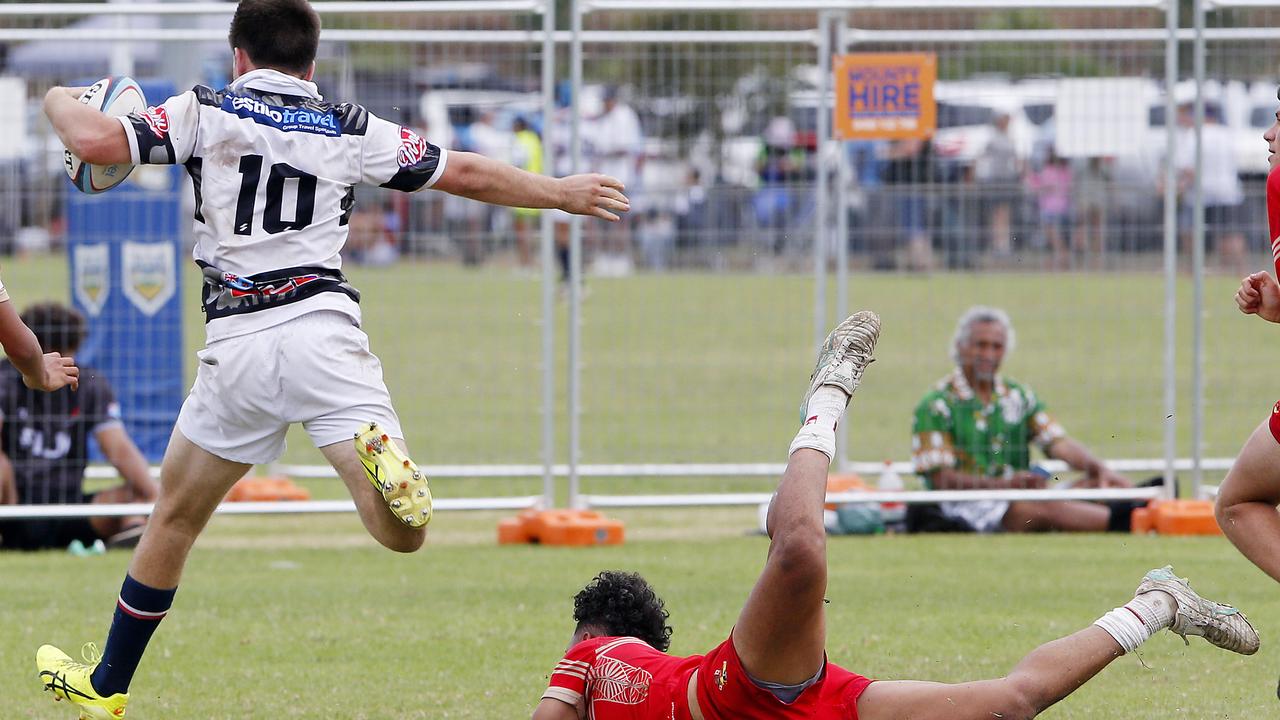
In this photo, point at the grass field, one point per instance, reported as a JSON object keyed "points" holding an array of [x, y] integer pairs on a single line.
{"points": [[304, 617], [708, 368], [308, 620]]}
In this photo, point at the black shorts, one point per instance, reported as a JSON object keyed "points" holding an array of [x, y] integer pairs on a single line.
{"points": [[44, 533]]}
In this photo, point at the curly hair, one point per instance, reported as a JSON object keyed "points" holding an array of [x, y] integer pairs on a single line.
{"points": [[623, 604], [57, 327]]}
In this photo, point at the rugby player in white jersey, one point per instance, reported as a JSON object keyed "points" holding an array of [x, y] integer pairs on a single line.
{"points": [[274, 167]]}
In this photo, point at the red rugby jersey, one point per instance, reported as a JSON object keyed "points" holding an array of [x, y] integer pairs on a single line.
{"points": [[623, 678]]}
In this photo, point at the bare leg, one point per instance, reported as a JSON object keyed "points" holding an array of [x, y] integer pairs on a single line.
{"points": [[781, 634], [106, 527], [920, 253], [377, 519], [1246, 506], [1233, 253], [1050, 673], [1000, 220], [524, 229], [1057, 247], [1068, 515], [192, 483], [8, 489]]}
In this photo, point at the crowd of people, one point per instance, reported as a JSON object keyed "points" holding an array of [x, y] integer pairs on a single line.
{"points": [[1022, 204], [912, 205]]}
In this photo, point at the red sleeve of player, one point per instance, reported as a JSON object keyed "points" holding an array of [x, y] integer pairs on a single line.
{"points": [[1273, 213], [569, 679]]}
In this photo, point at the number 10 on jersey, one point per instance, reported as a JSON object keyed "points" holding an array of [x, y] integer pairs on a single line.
{"points": [[272, 215]]}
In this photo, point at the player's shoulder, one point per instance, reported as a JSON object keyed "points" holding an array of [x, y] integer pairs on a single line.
{"points": [[207, 96], [349, 118], [608, 645], [588, 647], [352, 118]]}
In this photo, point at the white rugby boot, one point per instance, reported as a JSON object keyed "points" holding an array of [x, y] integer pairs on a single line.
{"points": [[844, 356], [1221, 625]]}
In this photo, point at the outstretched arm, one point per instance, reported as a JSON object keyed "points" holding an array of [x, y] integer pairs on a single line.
{"points": [[1097, 474], [92, 136], [40, 371], [480, 178]]}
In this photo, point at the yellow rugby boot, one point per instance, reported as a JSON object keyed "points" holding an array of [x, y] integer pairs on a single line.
{"points": [[69, 680], [402, 484]]}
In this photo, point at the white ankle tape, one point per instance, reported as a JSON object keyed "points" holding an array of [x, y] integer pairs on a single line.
{"points": [[1155, 609], [826, 406], [1125, 627], [815, 437]]}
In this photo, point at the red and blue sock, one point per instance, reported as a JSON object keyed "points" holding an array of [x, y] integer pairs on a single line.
{"points": [[138, 614]]}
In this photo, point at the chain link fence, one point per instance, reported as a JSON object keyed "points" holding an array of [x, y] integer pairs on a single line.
{"points": [[751, 229]]}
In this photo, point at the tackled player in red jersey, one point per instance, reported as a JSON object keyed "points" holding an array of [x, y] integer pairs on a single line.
{"points": [[774, 663]]}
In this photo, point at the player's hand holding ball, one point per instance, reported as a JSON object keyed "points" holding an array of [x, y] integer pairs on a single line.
{"points": [[114, 96]]}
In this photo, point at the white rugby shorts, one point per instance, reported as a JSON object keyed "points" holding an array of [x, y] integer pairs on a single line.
{"points": [[315, 369]]}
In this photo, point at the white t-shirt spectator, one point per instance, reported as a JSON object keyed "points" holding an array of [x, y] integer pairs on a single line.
{"points": [[617, 141], [1220, 178]]}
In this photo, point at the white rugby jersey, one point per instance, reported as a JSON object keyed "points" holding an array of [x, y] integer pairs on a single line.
{"points": [[274, 169]]}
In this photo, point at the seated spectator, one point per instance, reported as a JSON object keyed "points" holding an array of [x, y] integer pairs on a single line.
{"points": [[44, 447], [975, 431]]}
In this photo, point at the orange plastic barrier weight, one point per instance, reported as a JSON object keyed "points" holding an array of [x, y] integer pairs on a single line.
{"points": [[1176, 517], [267, 489], [560, 527]]}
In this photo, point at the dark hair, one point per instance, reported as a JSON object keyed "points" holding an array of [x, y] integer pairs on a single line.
{"points": [[279, 34], [622, 604], [57, 327]]}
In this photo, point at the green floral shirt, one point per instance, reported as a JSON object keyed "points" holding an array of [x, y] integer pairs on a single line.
{"points": [[954, 429]]}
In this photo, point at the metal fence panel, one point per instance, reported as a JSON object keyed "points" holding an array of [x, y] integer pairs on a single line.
{"points": [[699, 311]]}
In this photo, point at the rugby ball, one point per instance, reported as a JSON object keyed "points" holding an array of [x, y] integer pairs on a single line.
{"points": [[114, 96]]}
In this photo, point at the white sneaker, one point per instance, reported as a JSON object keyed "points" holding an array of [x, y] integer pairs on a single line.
{"points": [[844, 356], [1222, 625]]}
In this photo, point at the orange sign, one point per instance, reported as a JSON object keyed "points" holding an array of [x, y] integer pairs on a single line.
{"points": [[885, 96]]}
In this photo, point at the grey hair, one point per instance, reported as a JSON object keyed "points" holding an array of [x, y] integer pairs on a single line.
{"points": [[980, 314]]}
